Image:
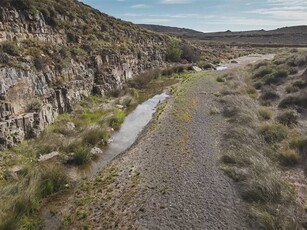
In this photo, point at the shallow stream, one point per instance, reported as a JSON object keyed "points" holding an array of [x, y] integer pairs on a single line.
{"points": [[122, 140]]}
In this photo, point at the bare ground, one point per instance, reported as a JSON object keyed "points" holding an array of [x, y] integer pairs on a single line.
{"points": [[170, 179]]}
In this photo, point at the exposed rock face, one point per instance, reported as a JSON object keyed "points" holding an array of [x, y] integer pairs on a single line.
{"points": [[55, 91], [20, 26]]}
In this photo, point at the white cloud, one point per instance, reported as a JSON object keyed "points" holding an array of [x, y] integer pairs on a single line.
{"points": [[141, 6], [175, 1], [288, 2], [283, 12]]}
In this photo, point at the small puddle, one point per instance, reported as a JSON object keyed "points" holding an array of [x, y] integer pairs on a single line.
{"points": [[126, 136], [220, 67]]}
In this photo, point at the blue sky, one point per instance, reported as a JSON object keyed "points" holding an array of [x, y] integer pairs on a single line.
{"points": [[208, 15]]}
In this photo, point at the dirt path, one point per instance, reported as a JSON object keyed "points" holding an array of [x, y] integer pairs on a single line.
{"points": [[171, 179], [181, 160]]}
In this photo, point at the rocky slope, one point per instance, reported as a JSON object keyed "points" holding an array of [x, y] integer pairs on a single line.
{"points": [[51, 58]]}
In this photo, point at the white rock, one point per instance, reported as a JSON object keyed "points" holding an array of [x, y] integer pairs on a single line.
{"points": [[70, 126], [96, 151], [110, 141], [119, 106], [48, 156], [196, 68]]}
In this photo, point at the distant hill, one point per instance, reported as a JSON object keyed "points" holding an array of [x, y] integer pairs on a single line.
{"points": [[286, 36]]}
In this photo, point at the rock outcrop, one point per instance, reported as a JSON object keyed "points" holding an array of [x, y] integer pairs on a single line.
{"points": [[31, 99]]}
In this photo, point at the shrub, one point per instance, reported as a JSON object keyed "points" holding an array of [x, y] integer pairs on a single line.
{"points": [[289, 157], [220, 79], [26, 5], [207, 66], [300, 84], [143, 79], [115, 92], [300, 60], [93, 136], [273, 133], [167, 71], [82, 155], [78, 53], [35, 106], [294, 101], [53, 180], [251, 90], [41, 62], [262, 71], [292, 70], [300, 144], [296, 60], [10, 48], [117, 119], [179, 69], [275, 77], [265, 114], [269, 93], [189, 53], [291, 89], [174, 51], [71, 37], [288, 118], [4, 58], [264, 189], [127, 102]]}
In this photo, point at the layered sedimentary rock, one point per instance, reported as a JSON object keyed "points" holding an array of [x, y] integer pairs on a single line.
{"points": [[32, 99]]}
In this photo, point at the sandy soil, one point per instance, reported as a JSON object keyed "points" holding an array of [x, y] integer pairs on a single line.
{"points": [[171, 178]]}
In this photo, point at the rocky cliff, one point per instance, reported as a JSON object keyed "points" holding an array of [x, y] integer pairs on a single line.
{"points": [[55, 53]]}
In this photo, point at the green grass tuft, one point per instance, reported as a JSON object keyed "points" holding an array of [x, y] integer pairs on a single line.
{"points": [[265, 114], [117, 119], [273, 133]]}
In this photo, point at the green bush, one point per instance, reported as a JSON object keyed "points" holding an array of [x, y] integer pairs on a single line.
{"points": [[292, 70], [296, 60], [94, 136], [269, 93], [265, 114], [53, 180], [117, 119], [300, 144], [291, 89], [41, 62], [262, 71], [300, 84], [35, 106], [10, 48], [82, 155], [288, 118], [273, 133], [289, 157], [294, 101], [275, 77], [173, 53]]}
